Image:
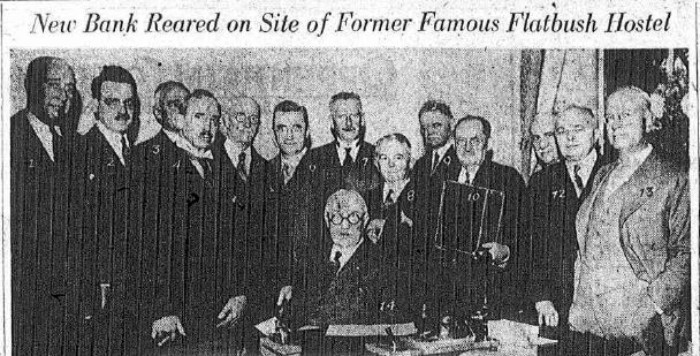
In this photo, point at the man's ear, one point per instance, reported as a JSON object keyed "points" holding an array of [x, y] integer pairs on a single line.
{"points": [[325, 218], [364, 226]]}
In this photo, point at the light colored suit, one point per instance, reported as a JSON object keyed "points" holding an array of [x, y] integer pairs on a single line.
{"points": [[654, 232]]}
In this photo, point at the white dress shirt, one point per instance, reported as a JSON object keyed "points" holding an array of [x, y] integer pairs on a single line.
{"points": [[624, 169], [441, 152], [585, 169], [293, 162], [195, 154], [114, 139], [395, 187], [354, 149], [233, 151], [345, 253], [463, 175], [43, 132]]}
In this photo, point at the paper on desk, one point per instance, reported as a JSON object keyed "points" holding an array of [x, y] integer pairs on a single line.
{"points": [[355, 330], [514, 333], [268, 327], [511, 332]]}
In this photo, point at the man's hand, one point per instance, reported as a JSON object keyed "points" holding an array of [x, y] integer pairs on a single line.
{"points": [[546, 313], [499, 253], [232, 311], [167, 327], [374, 229], [285, 294]]}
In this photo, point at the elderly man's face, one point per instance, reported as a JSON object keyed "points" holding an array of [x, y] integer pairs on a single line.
{"points": [[625, 120], [347, 119], [575, 135], [392, 158], [290, 131], [242, 122], [435, 128], [543, 140], [471, 143], [346, 220], [116, 107], [172, 107], [201, 122], [59, 89]]}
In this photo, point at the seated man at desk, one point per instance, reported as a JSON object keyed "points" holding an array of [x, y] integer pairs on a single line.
{"points": [[342, 282]]}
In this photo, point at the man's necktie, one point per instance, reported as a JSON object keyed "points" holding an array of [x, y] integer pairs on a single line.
{"points": [[126, 150], [336, 260], [464, 176], [286, 172], [436, 161], [57, 143], [206, 167], [348, 158], [579, 181], [389, 198], [241, 166]]}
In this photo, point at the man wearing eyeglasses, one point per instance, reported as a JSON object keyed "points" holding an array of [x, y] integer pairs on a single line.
{"points": [[40, 156], [342, 282], [471, 136], [555, 194]]}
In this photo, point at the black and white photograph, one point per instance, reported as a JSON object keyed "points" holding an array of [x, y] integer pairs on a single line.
{"points": [[167, 201], [378, 200]]}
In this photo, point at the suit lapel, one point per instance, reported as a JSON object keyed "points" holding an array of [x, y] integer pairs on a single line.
{"points": [[639, 188], [584, 211]]}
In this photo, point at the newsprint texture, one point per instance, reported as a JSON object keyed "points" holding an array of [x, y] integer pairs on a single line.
{"points": [[349, 179]]}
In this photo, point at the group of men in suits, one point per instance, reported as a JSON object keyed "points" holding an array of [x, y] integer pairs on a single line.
{"points": [[610, 240], [180, 239]]}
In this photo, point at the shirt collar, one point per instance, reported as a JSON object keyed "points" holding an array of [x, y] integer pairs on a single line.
{"points": [[114, 139], [397, 187], [234, 151], [193, 151], [443, 149], [43, 132], [345, 252], [585, 166], [293, 160]]}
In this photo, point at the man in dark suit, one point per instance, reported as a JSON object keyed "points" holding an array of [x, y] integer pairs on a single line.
{"points": [[392, 206], [438, 162], [240, 124], [196, 259], [40, 155], [347, 162], [290, 125], [471, 137], [555, 195], [342, 282], [632, 273], [102, 212]]}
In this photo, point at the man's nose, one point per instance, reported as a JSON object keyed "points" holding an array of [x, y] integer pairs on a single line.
{"points": [[348, 121], [345, 224], [392, 163]]}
